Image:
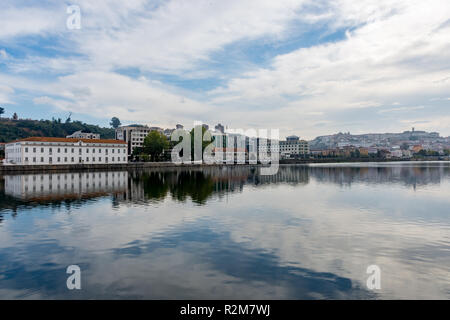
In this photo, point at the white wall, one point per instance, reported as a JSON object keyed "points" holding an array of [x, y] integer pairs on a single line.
{"points": [[35, 153]]}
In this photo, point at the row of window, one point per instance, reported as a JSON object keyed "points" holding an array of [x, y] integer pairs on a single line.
{"points": [[50, 150], [72, 159], [80, 175], [72, 186]]}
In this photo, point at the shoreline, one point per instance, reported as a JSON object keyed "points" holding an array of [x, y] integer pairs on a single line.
{"points": [[145, 165]]}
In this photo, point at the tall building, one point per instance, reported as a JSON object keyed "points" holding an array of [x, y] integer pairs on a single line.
{"points": [[84, 135], [293, 147], [58, 151], [133, 135]]}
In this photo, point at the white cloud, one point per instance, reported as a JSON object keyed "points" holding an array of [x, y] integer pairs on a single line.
{"points": [[20, 21], [107, 94], [175, 36], [390, 52], [395, 55], [5, 94]]}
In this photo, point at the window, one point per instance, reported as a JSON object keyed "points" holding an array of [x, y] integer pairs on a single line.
{"points": [[59, 159], [72, 160], [34, 150], [73, 150], [59, 150], [93, 159], [26, 159], [112, 159], [65, 159], [42, 159], [42, 150], [99, 159], [50, 159], [87, 159], [93, 150], [99, 150], [87, 150], [26, 149], [112, 150], [65, 150]]}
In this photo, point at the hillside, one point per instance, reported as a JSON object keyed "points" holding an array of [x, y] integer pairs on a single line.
{"points": [[16, 129]]}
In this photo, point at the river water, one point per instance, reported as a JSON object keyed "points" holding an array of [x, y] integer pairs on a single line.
{"points": [[308, 232]]}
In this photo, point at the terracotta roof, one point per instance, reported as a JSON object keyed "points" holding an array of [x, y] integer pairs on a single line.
{"points": [[74, 140]]}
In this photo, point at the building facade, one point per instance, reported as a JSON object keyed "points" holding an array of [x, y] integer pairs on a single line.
{"points": [[133, 136], [84, 135], [60, 151], [293, 147], [68, 185]]}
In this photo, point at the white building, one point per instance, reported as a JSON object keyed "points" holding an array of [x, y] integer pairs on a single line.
{"points": [[84, 135], [293, 146], [133, 135], [59, 151]]}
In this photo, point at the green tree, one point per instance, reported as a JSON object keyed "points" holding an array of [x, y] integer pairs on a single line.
{"points": [[154, 144], [15, 116], [2, 111], [115, 122]]}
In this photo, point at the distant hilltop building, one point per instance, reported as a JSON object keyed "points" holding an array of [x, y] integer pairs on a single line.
{"points": [[58, 151], [84, 135]]}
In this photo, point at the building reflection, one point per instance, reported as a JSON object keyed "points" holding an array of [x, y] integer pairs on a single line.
{"points": [[54, 186], [199, 184]]}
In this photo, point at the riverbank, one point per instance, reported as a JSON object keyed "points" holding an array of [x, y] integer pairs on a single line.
{"points": [[143, 165]]}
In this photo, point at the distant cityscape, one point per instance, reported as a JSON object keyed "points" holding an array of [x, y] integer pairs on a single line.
{"points": [[382, 145], [91, 148]]}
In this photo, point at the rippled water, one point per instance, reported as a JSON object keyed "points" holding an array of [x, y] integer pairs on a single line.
{"points": [[309, 232]]}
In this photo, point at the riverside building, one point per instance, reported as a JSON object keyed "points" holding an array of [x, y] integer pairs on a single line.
{"points": [[60, 151], [133, 135], [293, 147]]}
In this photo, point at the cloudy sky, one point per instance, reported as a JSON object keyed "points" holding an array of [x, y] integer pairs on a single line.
{"points": [[308, 67]]}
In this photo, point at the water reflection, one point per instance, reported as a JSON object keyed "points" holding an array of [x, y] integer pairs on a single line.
{"points": [[308, 232], [199, 185]]}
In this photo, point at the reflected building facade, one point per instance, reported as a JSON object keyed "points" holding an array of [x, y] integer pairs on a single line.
{"points": [[65, 185], [200, 185]]}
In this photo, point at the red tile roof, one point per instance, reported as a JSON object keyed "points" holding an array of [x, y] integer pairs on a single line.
{"points": [[74, 140]]}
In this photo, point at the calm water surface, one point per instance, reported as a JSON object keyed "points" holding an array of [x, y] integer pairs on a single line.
{"points": [[305, 233]]}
